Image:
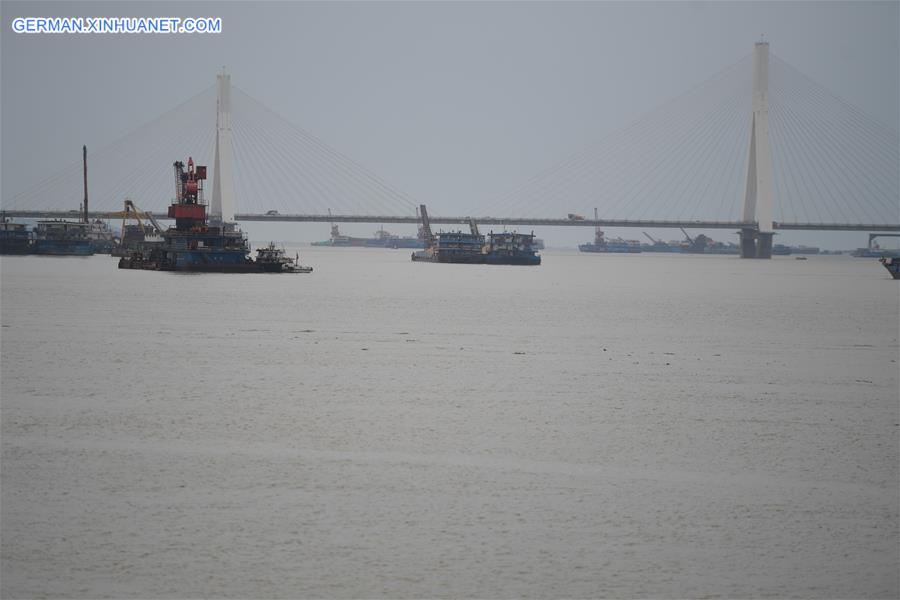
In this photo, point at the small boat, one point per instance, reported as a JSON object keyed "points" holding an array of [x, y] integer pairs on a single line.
{"points": [[892, 264], [799, 258], [272, 259]]}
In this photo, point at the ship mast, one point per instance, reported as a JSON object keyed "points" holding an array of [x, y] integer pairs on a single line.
{"points": [[84, 160]]}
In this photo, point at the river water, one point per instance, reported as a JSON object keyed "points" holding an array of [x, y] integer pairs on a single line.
{"points": [[599, 426]]}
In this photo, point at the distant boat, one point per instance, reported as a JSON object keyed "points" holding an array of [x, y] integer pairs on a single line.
{"points": [[614, 245], [382, 239]]}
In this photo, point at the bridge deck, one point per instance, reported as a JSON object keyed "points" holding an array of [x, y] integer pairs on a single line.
{"points": [[521, 221]]}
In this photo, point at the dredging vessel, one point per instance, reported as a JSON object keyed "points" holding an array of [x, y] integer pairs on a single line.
{"points": [[195, 245], [473, 248]]}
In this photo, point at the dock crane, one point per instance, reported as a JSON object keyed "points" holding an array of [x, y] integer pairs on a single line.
{"points": [[473, 226]]}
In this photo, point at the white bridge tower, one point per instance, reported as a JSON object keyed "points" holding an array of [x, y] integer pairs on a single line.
{"points": [[757, 243], [222, 206]]}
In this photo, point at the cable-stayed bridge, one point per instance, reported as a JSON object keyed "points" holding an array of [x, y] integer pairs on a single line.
{"points": [[757, 147]]}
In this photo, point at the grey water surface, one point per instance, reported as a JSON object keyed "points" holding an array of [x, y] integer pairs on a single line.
{"points": [[599, 426]]}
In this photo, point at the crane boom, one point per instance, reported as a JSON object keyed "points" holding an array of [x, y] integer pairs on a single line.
{"points": [[427, 236]]}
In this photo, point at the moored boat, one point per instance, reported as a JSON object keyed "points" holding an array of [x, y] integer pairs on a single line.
{"points": [[272, 259], [59, 237]]}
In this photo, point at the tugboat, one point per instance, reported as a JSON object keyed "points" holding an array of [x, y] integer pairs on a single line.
{"points": [[892, 264], [193, 244], [272, 259]]}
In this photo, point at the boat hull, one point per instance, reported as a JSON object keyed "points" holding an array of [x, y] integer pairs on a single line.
{"points": [[63, 247], [15, 247], [892, 265], [608, 249]]}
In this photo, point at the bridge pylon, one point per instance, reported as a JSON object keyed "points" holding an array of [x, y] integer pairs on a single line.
{"points": [[757, 243], [222, 206]]}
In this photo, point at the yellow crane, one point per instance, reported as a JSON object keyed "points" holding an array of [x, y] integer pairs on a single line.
{"points": [[133, 212]]}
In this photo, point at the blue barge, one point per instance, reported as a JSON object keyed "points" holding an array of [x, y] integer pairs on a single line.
{"points": [[473, 248]]}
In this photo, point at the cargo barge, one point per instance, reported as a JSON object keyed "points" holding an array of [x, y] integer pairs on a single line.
{"points": [[603, 245], [474, 248], [58, 237], [193, 245]]}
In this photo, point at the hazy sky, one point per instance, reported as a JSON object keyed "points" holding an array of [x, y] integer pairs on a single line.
{"points": [[444, 101]]}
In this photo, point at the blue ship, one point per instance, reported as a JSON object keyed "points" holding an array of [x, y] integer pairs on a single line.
{"points": [[472, 247], [615, 245], [601, 244], [62, 238]]}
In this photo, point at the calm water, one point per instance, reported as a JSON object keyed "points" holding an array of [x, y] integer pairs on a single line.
{"points": [[599, 426]]}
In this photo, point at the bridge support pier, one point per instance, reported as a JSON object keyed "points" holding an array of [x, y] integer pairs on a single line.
{"points": [[756, 244]]}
